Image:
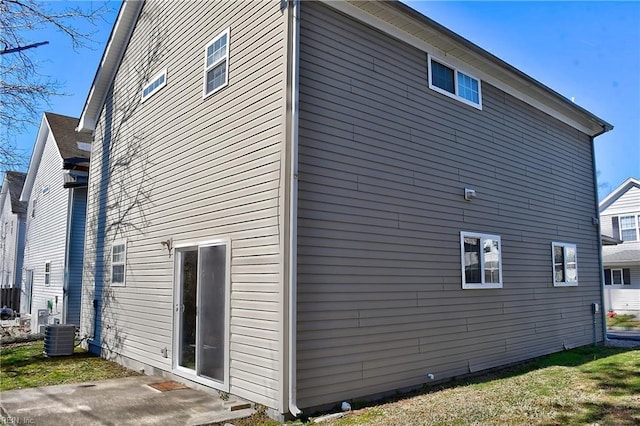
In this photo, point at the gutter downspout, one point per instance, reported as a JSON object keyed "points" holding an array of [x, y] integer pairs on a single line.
{"points": [[603, 314], [293, 214]]}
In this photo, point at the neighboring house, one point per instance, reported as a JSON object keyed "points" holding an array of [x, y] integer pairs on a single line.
{"points": [[301, 203], [56, 191], [12, 226], [620, 219]]}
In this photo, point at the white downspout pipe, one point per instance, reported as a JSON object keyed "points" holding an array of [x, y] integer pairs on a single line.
{"points": [[293, 214]]}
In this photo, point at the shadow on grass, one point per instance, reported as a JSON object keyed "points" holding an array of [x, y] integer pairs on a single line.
{"points": [[590, 360]]}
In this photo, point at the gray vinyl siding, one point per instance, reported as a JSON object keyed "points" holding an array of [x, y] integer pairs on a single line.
{"points": [[75, 254], [383, 163], [207, 169], [46, 233]]}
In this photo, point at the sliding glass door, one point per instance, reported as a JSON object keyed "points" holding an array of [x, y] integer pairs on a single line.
{"points": [[202, 312]]}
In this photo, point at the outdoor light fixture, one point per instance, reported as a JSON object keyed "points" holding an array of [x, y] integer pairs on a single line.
{"points": [[469, 194]]}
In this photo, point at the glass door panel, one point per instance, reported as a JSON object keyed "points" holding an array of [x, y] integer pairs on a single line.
{"points": [[211, 320], [188, 293]]}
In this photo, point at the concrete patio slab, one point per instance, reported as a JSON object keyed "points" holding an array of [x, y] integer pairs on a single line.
{"points": [[126, 401]]}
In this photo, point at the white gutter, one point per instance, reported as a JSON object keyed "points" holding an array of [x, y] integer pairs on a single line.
{"points": [[293, 214]]}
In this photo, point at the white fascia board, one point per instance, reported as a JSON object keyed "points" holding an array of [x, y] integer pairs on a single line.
{"points": [[616, 193], [109, 64], [36, 156], [395, 32]]}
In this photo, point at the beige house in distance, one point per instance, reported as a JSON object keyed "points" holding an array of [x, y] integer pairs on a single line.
{"points": [[302, 203]]}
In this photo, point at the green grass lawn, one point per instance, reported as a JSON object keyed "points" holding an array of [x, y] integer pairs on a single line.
{"points": [[24, 365], [584, 386]]}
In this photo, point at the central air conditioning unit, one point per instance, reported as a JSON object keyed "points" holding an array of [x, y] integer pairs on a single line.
{"points": [[59, 339]]}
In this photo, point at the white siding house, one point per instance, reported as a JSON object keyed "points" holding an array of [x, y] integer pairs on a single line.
{"points": [[285, 204], [12, 226], [55, 191], [620, 218]]}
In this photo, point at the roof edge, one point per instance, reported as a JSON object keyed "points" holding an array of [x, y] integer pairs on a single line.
{"points": [[111, 57], [616, 193]]}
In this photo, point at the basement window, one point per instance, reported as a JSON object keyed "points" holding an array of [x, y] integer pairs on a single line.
{"points": [[565, 264], [118, 261], [454, 83], [154, 85], [481, 260]]}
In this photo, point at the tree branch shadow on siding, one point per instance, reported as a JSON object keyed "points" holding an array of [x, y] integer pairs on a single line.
{"points": [[121, 195]]}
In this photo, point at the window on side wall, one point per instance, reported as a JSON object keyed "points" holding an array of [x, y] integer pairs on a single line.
{"points": [[481, 260], [118, 262], [216, 64], [156, 83], [47, 273], [628, 228], [620, 276], [454, 83], [565, 264]]}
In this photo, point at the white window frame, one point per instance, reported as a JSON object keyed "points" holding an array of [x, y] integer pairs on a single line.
{"points": [[123, 263], [456, 70], [206, 94], [553, 264], [621, 270], [636, 226], [482, 237], [47, 273], [179, 247], [151, 82]]}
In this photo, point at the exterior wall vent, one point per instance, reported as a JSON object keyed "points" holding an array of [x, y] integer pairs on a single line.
{"points": [[59, 339]]}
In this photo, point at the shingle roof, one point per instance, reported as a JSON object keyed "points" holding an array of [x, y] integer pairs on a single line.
{"points": [[624, 256], [65, 135], [15, 182]]}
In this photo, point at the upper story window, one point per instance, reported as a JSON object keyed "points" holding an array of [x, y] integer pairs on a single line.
{"points": [[454, 83], [629, 228], [47, 273], [216, 63], [118, 261], [565, 264], [154, 85], [481, 260]]}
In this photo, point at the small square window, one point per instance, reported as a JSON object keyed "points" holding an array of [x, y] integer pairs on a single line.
{"points": [[118, 262], [481, 260], [216, 64], [442, 77], [565, 264]]}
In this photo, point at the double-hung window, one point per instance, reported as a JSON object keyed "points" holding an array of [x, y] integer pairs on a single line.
{"points": [[454, 83], [629, 228], [118, 262], [481, 260], [216, 63], [47, 273], [565, 264]]}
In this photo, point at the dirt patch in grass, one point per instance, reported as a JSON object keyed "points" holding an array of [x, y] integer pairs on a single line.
{"points": [[582, 386], [23, 365]]}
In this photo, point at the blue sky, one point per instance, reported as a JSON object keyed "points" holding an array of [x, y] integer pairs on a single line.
{"points": [[588, 51]]}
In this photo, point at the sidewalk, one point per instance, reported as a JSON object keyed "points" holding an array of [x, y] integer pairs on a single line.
{"points": [[127, 401]]}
